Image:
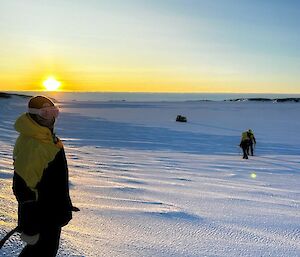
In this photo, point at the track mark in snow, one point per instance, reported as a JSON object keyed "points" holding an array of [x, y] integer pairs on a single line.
{"points": [[180, 215]]}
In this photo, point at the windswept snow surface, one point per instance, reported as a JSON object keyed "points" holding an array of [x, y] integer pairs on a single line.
{"points": [[148, 186]]}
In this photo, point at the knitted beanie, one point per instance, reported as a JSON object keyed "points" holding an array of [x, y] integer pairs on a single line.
{"points": [[39, 102]]}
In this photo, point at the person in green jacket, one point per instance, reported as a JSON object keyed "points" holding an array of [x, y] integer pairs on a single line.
{"points": [[247, 142], [252, 142], [41, 180]]}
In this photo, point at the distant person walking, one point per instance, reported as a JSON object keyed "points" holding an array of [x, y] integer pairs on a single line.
{"points": [[245, 143], [252, 142], [40, 182]]}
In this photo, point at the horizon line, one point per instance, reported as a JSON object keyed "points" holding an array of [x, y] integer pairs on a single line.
{"points": [[149, 92]]}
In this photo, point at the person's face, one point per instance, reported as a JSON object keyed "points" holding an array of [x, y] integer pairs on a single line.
{"points": [[49, 123]]}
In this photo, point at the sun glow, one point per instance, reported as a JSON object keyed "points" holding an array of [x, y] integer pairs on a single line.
{"points": [[51, 84]]}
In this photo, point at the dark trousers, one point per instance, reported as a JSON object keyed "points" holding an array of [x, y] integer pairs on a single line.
{"points": [[250, 149], [245, 146], [47, 246]]}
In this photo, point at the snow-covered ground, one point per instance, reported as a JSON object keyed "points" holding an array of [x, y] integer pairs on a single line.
{"points": [[148, 186]]}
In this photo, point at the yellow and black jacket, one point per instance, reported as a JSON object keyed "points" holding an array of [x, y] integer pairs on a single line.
{"points": [[245, 136], [245, 140], [252, 138], [40, 183]]}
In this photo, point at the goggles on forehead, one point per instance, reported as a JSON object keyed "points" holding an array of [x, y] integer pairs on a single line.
{"points": [[47, 113]]}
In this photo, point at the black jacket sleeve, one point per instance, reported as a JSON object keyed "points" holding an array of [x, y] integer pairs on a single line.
{"points": [[53, 192]]}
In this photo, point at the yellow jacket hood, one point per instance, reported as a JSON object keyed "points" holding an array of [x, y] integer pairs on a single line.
{"points": [[26, 126], [33, 151]]}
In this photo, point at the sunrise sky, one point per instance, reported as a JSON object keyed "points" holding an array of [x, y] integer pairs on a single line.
{"points": [[240, 46]]}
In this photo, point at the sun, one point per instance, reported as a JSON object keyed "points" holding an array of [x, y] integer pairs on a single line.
{"points": [[51, 84]]}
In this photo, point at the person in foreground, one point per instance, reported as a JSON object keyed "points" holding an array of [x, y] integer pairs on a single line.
{"points": [[40, 182]]}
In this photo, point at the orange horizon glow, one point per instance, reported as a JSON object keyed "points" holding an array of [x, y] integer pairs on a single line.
{"points": [[156, 89], [141, 81]]}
